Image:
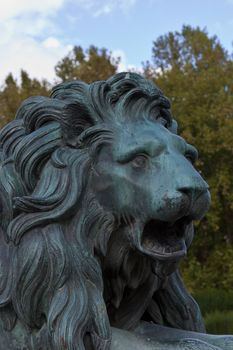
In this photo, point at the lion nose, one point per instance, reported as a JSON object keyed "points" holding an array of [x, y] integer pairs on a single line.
{"points": [[199, 199]]}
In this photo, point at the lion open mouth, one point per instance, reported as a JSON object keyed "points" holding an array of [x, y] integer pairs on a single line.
{"points": [[164, 240]]}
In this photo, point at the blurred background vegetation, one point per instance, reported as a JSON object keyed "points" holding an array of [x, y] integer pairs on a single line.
{"points": [[196, 73]]}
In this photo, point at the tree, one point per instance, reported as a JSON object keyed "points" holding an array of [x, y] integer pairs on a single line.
{"points": [[93, 64], [195, 71], [13, 93]]}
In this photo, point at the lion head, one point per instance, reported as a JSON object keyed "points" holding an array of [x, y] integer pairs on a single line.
{"points": [[98, 196]]}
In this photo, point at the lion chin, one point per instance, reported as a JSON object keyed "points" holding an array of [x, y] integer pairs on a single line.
{"points": [[98, 195]]}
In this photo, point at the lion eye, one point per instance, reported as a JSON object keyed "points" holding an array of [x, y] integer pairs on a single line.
{"points": [[190, 158], [191, 154], [140, 161]]}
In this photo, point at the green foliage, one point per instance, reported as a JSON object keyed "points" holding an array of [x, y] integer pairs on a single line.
{"points": [[13, 93], [219, 322], [211, 300], [191, 49], [93, 64], [216, 272], [217, 308]]}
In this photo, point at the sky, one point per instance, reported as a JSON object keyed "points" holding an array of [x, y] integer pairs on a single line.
{"points": [[36, 34]]}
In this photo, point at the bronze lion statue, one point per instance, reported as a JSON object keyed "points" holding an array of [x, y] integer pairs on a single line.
{"points": [[98, 195]]}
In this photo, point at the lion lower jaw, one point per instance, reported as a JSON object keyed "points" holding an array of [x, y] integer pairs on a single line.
{"points": [[165, 253]]}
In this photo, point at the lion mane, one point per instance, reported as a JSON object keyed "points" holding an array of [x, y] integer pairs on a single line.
{"points": [[55, 236]]}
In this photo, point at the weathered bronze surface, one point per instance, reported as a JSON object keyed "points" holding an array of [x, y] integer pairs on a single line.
{"points": [[98, 195]]}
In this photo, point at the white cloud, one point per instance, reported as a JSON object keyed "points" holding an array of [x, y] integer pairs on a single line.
{"points": [[13, 8], [104, 7], [37, 58], [22, 22], [51, 42], [30, 35], [124, 66], [104, 10]]}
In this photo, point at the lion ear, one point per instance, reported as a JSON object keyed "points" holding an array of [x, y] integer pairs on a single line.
{"points": [[76, 119]]}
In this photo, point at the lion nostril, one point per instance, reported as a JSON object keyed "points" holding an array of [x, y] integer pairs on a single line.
{"points": [[193, 193], [187, 191]]}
